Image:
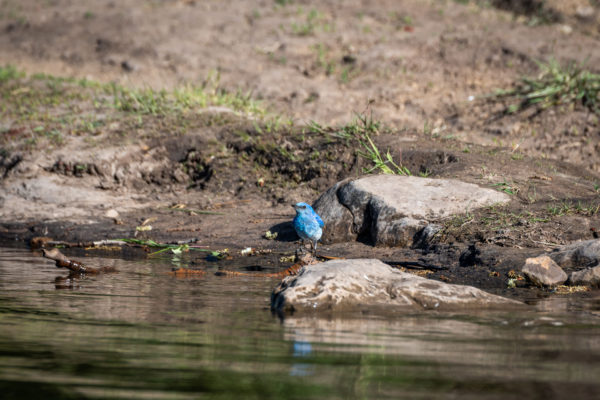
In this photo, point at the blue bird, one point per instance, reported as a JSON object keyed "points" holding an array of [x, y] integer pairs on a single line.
{"points": [[308, 224]]}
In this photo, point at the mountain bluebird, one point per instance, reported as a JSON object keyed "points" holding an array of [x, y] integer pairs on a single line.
{"points": [[308, 224]]}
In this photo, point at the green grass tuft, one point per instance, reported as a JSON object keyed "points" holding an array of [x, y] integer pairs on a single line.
{"points": [[9, 72], [44, 109], [361, 131], [187, 98], [556, 85], [506, 187], [568, 207]]}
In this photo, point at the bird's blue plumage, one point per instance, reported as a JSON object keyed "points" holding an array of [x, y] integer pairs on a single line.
{"points": [[319, 220], [307, 223]]}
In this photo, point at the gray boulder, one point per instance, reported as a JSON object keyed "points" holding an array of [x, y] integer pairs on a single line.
{"points": [[578, 255], [543, 271], [587, 277], [371, 285], [393, 210]]}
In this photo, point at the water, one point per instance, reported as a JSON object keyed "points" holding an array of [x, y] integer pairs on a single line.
{"points": [[142, 334]]}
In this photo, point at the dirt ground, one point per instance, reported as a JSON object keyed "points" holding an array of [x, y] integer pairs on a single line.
{"points": [[424, 69], [418, 60]]}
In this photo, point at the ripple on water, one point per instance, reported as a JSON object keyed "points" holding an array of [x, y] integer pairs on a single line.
{"points": [[143, 334]]}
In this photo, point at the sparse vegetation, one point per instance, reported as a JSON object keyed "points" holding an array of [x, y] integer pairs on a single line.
{"points": [[425, 173], [42, 106], [324, 61], [346, 74], [500, 216], [8, 73], [361, 131], [568, 207], [555, 85], [456, 222], [184, 99], [307, 27], [385, 165], [506, 187], [55, 90]]}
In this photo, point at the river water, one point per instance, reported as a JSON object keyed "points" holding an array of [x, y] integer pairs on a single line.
{"points": [[142, 334]]}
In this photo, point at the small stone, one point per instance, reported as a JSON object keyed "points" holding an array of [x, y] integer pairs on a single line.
{"points": [[349, 59], [585, 12], [566, 29], [586, 277], [112, 213], [543, 271], [127, 66]]}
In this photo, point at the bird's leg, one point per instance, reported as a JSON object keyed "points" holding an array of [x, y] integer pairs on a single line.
{"points": [[314, 248], [302, 246]]}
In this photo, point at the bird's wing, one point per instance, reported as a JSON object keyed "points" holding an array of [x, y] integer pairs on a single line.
{"points": [[319, 220]]}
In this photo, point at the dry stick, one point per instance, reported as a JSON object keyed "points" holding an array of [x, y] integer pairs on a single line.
{"points": [[111, 242], [331, 257], [549, 244], [187, 241], [63, 262], [229, 203], [98, 243], [75, 267]]}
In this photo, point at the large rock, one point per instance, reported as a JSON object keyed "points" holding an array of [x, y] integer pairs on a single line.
{"points": [[583, 254], [393, 210], [587, 277], [543, 271], [371, 285]]}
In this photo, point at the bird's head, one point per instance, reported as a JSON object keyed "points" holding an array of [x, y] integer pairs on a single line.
{"points": [[301, 207]]}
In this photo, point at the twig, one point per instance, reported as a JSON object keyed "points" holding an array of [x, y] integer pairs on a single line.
{"points": [[195, 211], [331, 257], [229, 203], [98, 243], [187, 241], [546, 243]]}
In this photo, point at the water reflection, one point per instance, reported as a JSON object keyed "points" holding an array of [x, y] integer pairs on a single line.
{"points": [[144, 334]]}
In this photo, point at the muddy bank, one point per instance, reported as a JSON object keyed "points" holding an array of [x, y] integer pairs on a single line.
{"points": [[257, 176], [399, 86]]}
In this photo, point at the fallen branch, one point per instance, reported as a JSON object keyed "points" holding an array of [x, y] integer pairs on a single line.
{"points": [[98, 243], [74, 266]]}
